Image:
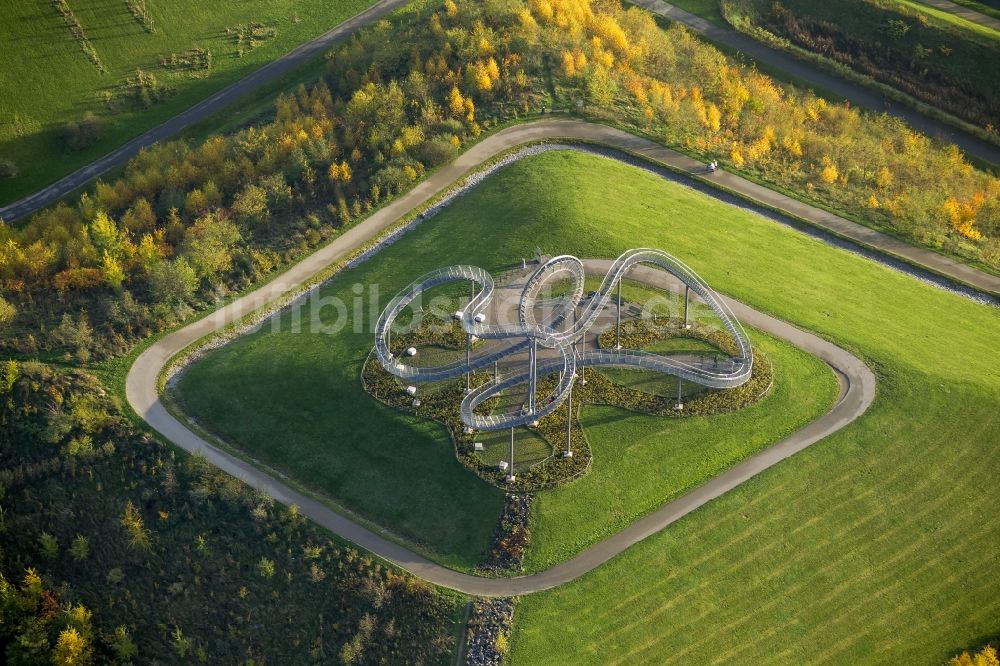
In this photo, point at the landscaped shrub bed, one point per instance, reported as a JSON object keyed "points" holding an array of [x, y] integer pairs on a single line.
{"points": [[511, 537], [121, 550], [489, 631]]}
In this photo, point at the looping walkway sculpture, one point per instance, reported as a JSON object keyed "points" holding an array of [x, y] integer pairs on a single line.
{"points": [[529, 334]]}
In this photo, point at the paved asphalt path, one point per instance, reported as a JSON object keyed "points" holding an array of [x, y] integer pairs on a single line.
{"points": [[858, 383], [964, 12], [857, 94], [269, 73]]}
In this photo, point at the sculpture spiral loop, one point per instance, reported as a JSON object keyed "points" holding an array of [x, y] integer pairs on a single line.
{"points": [[529, 333]]}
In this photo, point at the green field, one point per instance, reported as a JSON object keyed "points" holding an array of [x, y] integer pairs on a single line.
{"points": [[295, 402], [642, 462], [877, 545], [48, 80]]}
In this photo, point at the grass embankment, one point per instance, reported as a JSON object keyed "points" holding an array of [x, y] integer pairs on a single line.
{"points": [[878, 544], [48, 80], [641, 462], [295, 401]]}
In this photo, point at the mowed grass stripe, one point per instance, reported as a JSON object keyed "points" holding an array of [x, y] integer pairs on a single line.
{"points": [[641, 462], [834, 598], [733, 628], [747, 533], [740, 538], [778, 573], [806, 563]]}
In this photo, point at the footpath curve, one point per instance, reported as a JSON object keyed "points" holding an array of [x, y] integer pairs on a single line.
{"points": [[217, 101], [857, 381]]}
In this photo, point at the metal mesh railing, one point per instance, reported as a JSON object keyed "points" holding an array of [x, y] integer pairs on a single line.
{"points": [[529, 334]]}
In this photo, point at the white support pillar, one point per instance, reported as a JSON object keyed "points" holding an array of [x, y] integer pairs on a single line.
{"points": [[532, 375], [568, 453], [687, 300], [468, 362], [618, 314], [510, 469]]}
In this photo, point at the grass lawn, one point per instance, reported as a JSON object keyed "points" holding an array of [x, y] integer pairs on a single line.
{"points": [[48, 80], [641, 462], [294, 400], [880, 544]]}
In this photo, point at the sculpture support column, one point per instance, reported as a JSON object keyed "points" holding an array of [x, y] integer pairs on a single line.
{"points": [[532, 374], [687, 299], [568, 453], [618, 323], [510, 470]]}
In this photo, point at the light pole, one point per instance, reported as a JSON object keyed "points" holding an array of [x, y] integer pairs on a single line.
{"points": [[568, 453], [468, 362], [510, 469], [532, 374], [618, 323], [687, 298]]}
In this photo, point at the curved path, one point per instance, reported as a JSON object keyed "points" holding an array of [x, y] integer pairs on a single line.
{"points": [[858, 384], [859, 95], [219, 100]]}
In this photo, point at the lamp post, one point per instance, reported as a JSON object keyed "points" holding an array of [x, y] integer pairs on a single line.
{"points": [[687, 298], [568, 453], [618, 323], [532, 374], [510, 469]]}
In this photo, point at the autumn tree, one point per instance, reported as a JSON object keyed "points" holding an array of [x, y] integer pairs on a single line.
{"points": [[250, 205], [209, 243]]}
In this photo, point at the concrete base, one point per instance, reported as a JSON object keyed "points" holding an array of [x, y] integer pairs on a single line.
{"points": [[511, 478], [534, 424], [679, 406], [477, 446], [467, 430], [567, 454]]}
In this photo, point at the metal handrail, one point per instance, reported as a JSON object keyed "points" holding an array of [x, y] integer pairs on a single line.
{"points": [[552, 336]]}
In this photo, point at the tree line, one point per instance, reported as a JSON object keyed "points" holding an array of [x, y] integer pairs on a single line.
{"points": [[116, 550]]}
